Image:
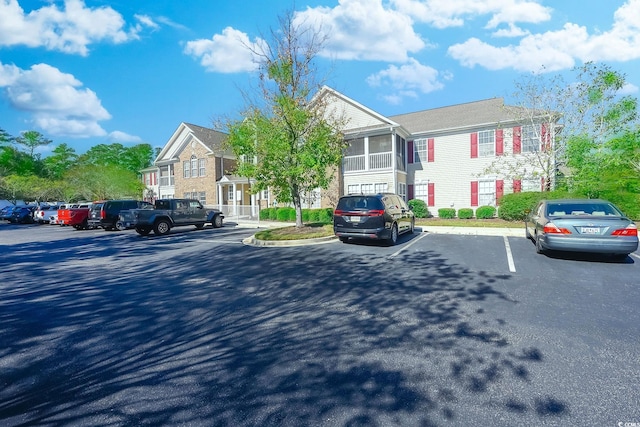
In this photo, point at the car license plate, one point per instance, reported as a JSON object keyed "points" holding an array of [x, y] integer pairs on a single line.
{"points": [[590, 230], [354, 218]]}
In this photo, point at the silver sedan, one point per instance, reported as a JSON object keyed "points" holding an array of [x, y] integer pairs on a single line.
{"points": [[581, 225]]}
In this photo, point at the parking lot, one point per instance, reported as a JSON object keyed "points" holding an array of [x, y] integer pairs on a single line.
{"points": [[196, 328]]}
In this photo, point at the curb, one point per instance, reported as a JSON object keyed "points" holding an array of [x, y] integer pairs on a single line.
{"points": [[252, 241]]}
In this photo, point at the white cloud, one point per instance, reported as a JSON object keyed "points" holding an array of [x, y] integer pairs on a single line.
{"points": [[70, 30], [118, 136], [560, 49], [453, 13], [363, 30], [229, 52], [628, 89], [409, 80], [56, 100]]}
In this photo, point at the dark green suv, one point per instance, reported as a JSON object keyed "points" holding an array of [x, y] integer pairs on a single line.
{"points": [[381, 216]]}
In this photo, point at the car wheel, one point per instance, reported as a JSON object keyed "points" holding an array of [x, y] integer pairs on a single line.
{"points": [[217, 221], [539, 248], [200, 225], [120, 226], [394, 234], [161, 227], [143, 231]]}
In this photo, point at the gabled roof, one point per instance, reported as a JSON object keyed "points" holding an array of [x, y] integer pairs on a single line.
{"points": [[471, 114], [213, 139]]}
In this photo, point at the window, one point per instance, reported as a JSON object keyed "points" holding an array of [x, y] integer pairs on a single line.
{"points": [[487, 143], [486, 193], [353, 189], [420, 150], [186, 196], [201, 163], [400, 157], [194, 167], [367, 188], [531, 184], [186, 166], [402, 190], [230, 193], [381, 187], [530, 139], [311, 200], [380, 144], [355, 147], [422, 192], [202, 196]]}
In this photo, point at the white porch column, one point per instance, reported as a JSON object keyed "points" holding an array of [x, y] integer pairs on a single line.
{"points": [[235, 199], [220, 196]]}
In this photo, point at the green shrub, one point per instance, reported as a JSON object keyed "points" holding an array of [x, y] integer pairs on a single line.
{"points": [[485, 212], [465, 213], [273, 214], [513, 207], [305, 215], [419, 208], [265, 213], [292, 215], [314, 215], [325, 215], [447, 213], [284, 214], [628, 203]]}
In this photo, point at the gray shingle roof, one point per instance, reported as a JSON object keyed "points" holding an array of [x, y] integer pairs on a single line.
{"points": [[488, 111], [209, 137]]}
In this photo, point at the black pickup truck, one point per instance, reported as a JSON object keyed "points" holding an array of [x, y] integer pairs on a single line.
{"points": [[168, 213]]}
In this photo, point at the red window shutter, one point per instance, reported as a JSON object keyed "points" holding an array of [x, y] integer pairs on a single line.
{"points": [[409, 191], [517, 186], [542, 184], [410, 151], [474, 193], [474, 145], [517, 140], [430, 152], [544, 137], [499, 142], [431, 198], [499, 190]]}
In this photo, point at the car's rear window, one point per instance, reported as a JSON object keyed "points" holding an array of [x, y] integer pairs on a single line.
{"points": [[359, 203], [596, 209]]}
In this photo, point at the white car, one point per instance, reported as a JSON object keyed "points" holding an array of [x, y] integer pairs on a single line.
{"points": [[43, 213]]}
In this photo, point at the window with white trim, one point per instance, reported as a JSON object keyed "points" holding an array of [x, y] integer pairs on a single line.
{"points": [[402, 190], [530, 138], [194, 166], [530, 184], [381, 187], [186, 169], [421, 191], [202, 197], [353, 188], [487, 143], [486, 192], [230, 195], [420, 147], [366, 188], [201, 166]]}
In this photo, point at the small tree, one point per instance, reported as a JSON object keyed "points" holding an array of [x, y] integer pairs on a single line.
{"points": [[288, 142]]}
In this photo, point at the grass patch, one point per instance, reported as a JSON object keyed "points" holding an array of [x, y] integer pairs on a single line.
{"points": [[471, 222], [308, 231]]}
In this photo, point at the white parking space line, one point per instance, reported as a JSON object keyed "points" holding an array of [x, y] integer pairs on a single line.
{"points": [[512, 266], [404, 248], [635, 255]]}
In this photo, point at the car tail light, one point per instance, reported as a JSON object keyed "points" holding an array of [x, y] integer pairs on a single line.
{"points": [[630, 230], [376, 212], [103, 214], [338, 212], [551, 228]]}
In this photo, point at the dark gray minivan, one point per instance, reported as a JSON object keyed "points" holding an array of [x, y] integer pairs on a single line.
{"points": [[105, 214], [381, 216]]}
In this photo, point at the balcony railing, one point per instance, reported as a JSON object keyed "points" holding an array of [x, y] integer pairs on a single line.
{"points": [[353, 163], [380, 160], [376, 161]]}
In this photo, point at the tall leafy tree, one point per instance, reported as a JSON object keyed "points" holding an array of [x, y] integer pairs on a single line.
{"points": [[32, 139], [287, 141], [61, 159], [138, 157]]}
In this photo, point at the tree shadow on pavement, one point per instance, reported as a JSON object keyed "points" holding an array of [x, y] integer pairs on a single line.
{"points": [[257, 337]]}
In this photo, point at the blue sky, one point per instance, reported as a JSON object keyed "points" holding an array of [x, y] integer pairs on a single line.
{"points": [[92, 72]]}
